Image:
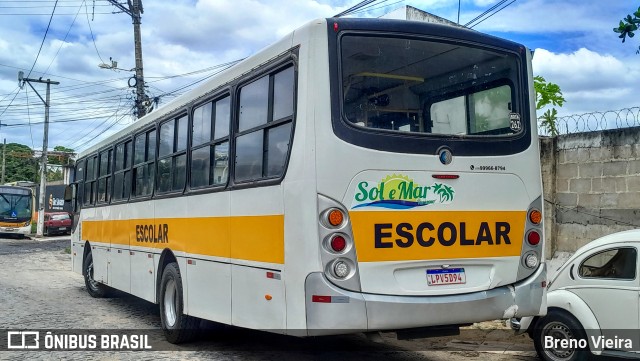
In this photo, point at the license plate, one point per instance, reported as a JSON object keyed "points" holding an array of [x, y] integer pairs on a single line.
{"points": [[9, 229], [62, 228], [451, 276]]}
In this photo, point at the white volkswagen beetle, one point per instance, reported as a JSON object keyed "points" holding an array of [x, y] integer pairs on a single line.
{"points": [[593, 303]]}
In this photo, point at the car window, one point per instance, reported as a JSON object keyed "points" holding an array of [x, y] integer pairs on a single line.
{"points": [[619, 263], [60, 217]]}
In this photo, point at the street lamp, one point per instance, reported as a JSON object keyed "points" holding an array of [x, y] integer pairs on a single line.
{"points": [[113, 66]]}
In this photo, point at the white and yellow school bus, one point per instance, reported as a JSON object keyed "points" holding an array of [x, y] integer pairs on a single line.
{"points": [[357, 175], [16, 210]]}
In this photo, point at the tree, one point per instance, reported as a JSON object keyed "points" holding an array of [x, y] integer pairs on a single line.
{"points": [[546, 94], [20, 165], [60, 156], [627, 27]]}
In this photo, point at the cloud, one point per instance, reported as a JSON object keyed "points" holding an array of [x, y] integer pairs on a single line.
{"points": [[590, 81], [181, 36]]}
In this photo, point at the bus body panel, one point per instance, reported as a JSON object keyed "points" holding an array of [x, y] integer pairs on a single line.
{"points": [[402, 217], [120, 270]]}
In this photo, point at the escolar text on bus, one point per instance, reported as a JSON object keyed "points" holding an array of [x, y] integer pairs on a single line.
{"points": [[426, 234], [150, 233]]}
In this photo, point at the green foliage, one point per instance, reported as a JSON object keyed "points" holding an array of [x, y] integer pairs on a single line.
{"points": [[62, 156], [548, 94], [20, 164], [627, 27], [549, 121]]}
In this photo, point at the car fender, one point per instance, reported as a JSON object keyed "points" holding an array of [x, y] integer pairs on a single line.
{"points": [[573, 304]]}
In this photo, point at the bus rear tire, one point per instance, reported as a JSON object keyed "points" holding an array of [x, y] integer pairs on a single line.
{"points": [[177, 326], [95, 288]]}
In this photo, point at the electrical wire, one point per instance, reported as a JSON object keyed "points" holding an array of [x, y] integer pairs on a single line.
{"points": [[65, 39], [93, 38], [497, 11], [354, 8], [372, 7], [43, 38]]}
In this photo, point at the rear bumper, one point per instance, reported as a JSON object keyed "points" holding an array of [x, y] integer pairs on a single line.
{"points": [[356, 312]]}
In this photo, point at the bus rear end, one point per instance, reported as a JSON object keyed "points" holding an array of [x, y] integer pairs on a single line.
{"points": [[429, 186]]}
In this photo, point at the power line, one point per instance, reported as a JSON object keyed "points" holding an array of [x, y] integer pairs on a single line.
{"points": [[492, 8], [497, 11], [43, 38], [354, 8], [63, 40], [91, 30], [372, 7]]}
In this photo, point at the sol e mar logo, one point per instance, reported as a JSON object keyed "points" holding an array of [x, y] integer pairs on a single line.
{"points": [[400, 192]]}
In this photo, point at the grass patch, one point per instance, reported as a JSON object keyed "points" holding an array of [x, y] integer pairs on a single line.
{"points": [[67, 250]]}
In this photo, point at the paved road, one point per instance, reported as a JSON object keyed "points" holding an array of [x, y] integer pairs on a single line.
{"points": [[38, 291]]}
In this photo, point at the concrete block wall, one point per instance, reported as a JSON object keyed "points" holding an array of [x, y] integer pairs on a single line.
{"points": [[591, 186]]}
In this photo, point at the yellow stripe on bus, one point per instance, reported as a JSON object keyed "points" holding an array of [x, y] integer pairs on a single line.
{"points": [[251, 238], [405, 235]]}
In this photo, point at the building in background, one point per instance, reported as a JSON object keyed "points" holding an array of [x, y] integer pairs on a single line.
{"points": [[410, 13]]}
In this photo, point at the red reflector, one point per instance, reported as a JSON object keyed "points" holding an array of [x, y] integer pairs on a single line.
{"points": [[270, 275], [445, 176], [338, 243], [533, 238], [335, 27], [321, 299]]}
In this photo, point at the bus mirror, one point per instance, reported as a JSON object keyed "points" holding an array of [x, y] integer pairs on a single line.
{"points": [[68, 193]]}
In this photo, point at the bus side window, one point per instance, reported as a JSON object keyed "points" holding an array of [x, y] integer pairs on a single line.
{"points": [[210, 143], [122, 171], [172, 156], [104, 174], [144, 159], [266, 109], [90, 181]]}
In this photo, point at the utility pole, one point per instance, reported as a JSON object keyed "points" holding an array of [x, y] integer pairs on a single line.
{"points": [[45, 141], [134, 10], [4, 151]]}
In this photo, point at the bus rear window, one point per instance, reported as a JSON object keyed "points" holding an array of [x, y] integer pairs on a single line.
{"points": [[429, 87]]}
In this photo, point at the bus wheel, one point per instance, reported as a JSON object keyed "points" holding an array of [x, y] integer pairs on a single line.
{"points": [[95, 288], [177, 326]]}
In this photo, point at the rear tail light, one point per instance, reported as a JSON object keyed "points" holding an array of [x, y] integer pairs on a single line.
{"points": [[531, 260], [341, 269], [535, 216], [532, 252], [338, 243], [337, 246], [533, 237], [334, 217]]}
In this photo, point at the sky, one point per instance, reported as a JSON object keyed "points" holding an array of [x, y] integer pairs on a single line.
{"points": [[185, 41]]}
